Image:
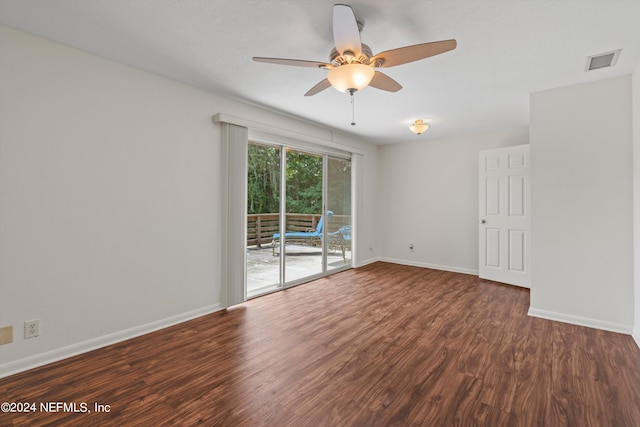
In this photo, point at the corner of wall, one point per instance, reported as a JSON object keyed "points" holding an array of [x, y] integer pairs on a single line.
{"points": [[635, 107]]}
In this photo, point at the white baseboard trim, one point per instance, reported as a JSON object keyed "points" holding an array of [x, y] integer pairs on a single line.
{"points": [[21, 365], [636, 337], [432, 266], [580, 321], [366, 262]]}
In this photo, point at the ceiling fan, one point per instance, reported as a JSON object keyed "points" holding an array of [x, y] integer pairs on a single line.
{"points": [[351, 63]]}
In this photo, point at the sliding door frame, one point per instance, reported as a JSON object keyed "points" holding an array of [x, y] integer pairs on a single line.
{"points": [[283, 216], [283, 145]]}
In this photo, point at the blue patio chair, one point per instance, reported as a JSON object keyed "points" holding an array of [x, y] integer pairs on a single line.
{"points": [[311, 236]]}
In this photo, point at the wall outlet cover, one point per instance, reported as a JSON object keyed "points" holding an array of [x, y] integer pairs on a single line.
{"points": [[31, 328]]}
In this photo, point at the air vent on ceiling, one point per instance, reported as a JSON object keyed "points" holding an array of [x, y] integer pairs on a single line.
{"points": [[602, 60]]}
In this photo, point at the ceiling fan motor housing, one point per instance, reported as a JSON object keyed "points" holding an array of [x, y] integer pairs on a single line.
{"points": [[349, 57]]}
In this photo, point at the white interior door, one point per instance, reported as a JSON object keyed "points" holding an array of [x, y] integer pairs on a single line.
{"points": [[505, 219]]}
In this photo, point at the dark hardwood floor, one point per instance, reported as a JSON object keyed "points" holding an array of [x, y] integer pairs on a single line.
{"points": [[383, 345]]}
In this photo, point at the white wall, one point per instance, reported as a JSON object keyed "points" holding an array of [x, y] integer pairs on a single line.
{"points": [[636, 198], [428, 195], [581, 156], [110, 198]]}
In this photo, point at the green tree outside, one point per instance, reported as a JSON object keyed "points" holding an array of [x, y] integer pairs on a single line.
{"points": [[304, 182]]}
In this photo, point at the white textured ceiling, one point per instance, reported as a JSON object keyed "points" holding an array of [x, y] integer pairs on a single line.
{"points": [[506, 50]]}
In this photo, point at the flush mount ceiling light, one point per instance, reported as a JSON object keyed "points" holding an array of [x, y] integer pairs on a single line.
{"points": [[419, 126]]}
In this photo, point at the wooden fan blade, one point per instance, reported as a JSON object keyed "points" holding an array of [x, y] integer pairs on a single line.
{"points": [[384, 82], [294, 62], [346, 35], [403, 55], [318, 88]]}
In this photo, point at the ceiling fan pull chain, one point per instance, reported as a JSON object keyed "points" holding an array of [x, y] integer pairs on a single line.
{"points": [[353, 109]]}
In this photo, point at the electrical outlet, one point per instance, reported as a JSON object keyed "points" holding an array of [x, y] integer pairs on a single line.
{"points": [[31, 329], [6, 334]]}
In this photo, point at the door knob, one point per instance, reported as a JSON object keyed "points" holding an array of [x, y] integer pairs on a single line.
{"points": [[483, 221]]}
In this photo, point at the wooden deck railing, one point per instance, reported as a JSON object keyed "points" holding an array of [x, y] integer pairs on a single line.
{"points": [[260, 227]]}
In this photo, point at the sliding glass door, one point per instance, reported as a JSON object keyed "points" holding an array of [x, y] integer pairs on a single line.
{"points": [[299, 216], [263, 217], [302, 247], [339, 204]]}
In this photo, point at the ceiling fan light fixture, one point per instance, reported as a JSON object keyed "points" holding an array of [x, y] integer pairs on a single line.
{"points": [[350, 77], [351, 62], [419, 126]]}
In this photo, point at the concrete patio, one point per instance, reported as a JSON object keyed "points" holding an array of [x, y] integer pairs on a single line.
{"points": [[263, 268]]}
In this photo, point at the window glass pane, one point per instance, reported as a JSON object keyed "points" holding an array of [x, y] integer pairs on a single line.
{"points": [[339, 203], [263, 217], [303, 255]]}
